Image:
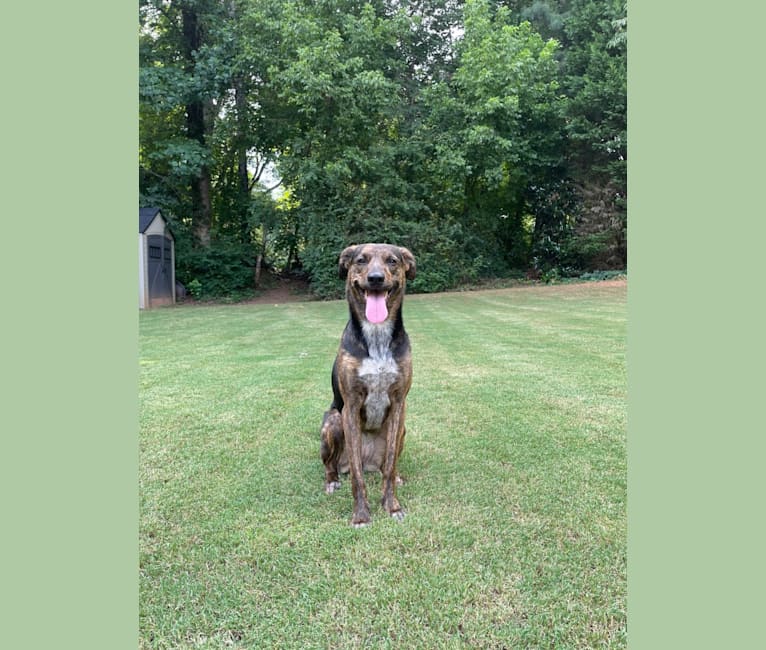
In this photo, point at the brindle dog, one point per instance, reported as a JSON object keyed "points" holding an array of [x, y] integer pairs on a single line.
{"points": [[364, 428]]}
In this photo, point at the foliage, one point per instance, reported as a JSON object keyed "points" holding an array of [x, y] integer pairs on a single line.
{"points": [[487, 136], [194, 287], [217, 271], [208, 60], [599, 276], [594, 75], [441, 168]]}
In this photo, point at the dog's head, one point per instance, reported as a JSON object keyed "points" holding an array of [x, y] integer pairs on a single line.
{"points": [[376, 275]]}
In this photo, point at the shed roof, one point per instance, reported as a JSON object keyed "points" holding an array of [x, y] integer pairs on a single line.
{"points": [[145, 217]]}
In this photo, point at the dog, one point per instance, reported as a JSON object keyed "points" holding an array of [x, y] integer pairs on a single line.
{"points": [[364, 428]]}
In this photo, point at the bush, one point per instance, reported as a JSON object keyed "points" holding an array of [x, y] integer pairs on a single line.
{"points": [[445, 256], [195, 289], [597, 276], [222, 270]]}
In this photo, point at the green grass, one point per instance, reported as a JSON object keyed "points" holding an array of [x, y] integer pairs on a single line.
{"points": [[515, 462]]}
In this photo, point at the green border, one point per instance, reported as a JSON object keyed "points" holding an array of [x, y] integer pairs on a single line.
{"points": [[696, 226], [69, 414], [696, 233]]}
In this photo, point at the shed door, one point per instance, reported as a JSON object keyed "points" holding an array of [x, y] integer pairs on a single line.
{"points": [[160, 271]]}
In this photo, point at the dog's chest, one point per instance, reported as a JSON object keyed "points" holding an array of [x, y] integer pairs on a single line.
{"points": [[377, 372]]}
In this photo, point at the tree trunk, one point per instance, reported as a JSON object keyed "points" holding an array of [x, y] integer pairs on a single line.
{"points": [[240, 101], [195, 130], [243, 177], [258, 262], [292, 256], [261, 256], [204, 217]]}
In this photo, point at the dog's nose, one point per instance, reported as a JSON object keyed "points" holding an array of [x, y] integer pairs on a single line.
{"points": [[375, 278]]}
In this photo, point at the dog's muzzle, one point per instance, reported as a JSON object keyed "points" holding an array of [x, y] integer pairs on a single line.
{"points": [[376, 292]]}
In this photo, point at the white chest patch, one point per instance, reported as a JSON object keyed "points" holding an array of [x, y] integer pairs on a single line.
{"points": [[378, 371]]}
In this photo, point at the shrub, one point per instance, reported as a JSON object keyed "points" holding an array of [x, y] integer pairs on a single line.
{"points": [[194, 287], [224, 269], [597, 276]]}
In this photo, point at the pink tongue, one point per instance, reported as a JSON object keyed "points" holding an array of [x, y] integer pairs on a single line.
{"points": [[376, 310]]}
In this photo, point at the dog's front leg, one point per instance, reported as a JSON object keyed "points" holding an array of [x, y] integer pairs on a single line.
{"points": [[394, 440], [353, 436]]}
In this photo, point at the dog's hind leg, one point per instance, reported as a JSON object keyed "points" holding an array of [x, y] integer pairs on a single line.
{"points": [[332, 446]]}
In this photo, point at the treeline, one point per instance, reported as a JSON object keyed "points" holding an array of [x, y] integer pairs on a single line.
{"points": [[488, 137]]}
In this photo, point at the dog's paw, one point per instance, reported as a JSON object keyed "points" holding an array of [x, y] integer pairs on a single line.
{"points": [[398, 515], [361, 524], [361, 518], [331, 486], [399, 479]]}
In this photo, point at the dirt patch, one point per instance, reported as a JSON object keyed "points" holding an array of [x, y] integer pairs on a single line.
{"points": [[588, 287], [277, 291], [564, 288], [582, 287]]}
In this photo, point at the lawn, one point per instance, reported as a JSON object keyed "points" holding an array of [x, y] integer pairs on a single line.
{"points": [[515, 468]]}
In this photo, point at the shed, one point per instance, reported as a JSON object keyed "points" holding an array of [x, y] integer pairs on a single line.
{"points": [[156, 260]]}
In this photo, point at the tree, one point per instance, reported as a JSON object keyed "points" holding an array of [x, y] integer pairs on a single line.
{"points": [[398, 137], [595, 80], [172, 37], [507, 79], [486, 136], [345, 162], [210, 128]]}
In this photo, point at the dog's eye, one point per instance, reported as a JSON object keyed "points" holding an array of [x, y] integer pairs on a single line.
{"points": [[361, 260], [392, 261]]}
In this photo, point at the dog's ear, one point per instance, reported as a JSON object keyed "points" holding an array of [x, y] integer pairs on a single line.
{"points": [[409, 263], [346, 257]]}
